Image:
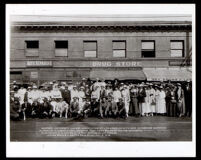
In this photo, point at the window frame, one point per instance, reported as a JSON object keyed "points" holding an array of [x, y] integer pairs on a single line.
{"points": [[177, 49], [146, 50], [88, 41], [28, 51], [60, 48], [119, 49]]}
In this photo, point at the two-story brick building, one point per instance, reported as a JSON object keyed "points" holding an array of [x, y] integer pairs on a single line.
{"points": [[46, 48]]}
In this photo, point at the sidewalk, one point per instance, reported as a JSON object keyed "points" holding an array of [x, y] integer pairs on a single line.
{"points": [[158, 128]]}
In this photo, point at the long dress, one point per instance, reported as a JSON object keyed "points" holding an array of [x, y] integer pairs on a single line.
{"points": [[126, 99], [157, 100], [161, 102], [152, 101], [147, 102]]}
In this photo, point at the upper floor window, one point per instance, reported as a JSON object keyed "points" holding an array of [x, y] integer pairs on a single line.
{"points": [[177, 48], [148, 48], [31, 47], [90, 48], [119, 48], [61, 48]]}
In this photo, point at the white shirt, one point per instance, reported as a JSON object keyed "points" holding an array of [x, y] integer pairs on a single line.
{"points": [[116, 95]]}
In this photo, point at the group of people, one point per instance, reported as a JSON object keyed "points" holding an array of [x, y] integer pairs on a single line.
{"points": [[101, 99]]}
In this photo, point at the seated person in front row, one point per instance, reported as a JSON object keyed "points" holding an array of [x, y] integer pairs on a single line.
{"points": [[94, 107], [121, 108], [14, 109], [86, 109], [112, 109], [46, 109], [74, 108], [103, 107]]}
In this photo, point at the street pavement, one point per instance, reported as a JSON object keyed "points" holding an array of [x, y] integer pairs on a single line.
{"points": [[157, 128]]}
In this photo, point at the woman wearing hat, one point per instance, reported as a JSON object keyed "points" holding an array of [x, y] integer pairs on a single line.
{"points": [[81, 95], [180, 100], [126, 98], [161, 101], [141, 98]]}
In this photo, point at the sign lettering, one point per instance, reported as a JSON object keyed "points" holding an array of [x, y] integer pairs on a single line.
{"points": [[39, 63]]}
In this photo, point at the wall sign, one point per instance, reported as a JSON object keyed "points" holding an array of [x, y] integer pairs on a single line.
{"points": [[116, 64], [39, 63]]}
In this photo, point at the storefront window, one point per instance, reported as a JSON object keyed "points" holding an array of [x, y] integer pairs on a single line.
{"points": [[119, 48], [148, 49], [177, 48], [90, 48], [61, 48], [31, 48]]}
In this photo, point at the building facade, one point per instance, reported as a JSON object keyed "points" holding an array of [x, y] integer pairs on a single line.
{"points": [[66, 49]]}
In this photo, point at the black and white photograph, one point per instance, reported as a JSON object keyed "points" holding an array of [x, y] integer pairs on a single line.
{"points": [[91, 77]]}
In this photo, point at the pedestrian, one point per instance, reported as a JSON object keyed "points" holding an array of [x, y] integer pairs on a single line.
{"points": [[134, 109]]}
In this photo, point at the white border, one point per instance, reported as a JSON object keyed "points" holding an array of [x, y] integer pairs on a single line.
{"points": [[98, 149]]}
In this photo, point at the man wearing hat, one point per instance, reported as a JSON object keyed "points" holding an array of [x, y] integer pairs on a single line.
{"points": [[74, 108], [112, 109], [62, 108], [121, 108], [26, 109], [103, 106], [102, 92], [14, 109], [86, 110], [95, 105], [46, 109], [66, 95], [35, 109]]}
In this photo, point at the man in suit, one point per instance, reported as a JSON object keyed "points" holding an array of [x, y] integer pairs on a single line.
{"points": [[66, 95], [141, 97], [112, 109], [95, 105], [121, 109], [26, 109], [74, 108], [103, 106]]}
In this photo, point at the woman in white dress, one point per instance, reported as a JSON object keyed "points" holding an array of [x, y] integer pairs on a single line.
{"points": [[161, 102], [126, 98], [152, 101], [146, 107], [157, 99]]}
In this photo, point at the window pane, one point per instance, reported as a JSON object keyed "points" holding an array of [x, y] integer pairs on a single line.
{"points": [[119, 53], [32, 44], [90, 53], [61, 52], [176, 53], [90, 46], [119, 45], [176, 45], [148, 54], [61, 44], [148, 45]]}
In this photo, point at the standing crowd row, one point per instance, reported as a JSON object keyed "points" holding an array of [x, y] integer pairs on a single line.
{"points": [[101, 99]]}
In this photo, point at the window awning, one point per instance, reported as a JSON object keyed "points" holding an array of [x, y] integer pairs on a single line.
{"points": [[121, 75], [164, 74]]}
